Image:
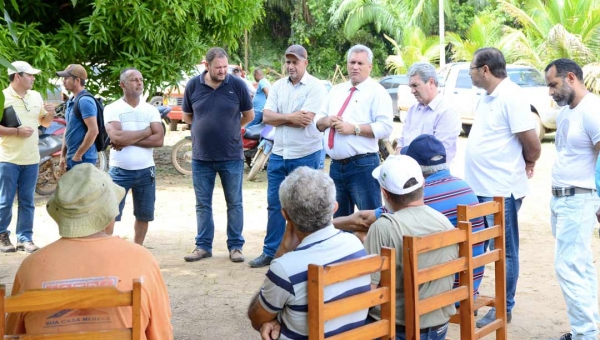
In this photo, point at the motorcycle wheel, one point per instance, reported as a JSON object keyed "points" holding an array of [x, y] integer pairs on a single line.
{"points": [[48, 177], [102, 162], [181, 157], [257, 164]]}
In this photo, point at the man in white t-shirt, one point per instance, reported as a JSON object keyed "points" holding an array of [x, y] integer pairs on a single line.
{"points": [[501, 153], [134, 128], [574, 198]]}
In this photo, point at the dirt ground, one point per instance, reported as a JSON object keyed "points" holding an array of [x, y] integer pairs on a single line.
{"points": [[209, 298]]}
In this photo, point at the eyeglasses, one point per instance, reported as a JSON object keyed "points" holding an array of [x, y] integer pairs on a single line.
{"points": [[475, 67], [237, 70]]}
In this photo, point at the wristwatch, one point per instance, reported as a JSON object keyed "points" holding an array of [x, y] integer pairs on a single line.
{"points": [[357, 130]]}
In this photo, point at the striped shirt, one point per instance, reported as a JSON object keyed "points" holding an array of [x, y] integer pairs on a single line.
{"points": [[443, 192], [285, 288]]}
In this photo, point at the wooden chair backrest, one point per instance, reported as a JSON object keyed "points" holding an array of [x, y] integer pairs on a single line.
{"points": [[463, 265], [319, 312], [466, 213], [75, 298]]}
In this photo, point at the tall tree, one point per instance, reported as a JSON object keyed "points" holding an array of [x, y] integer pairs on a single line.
{"points": [[161, 38]]}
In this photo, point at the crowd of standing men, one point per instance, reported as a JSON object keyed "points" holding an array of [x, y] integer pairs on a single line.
{"points": [[501, 153]]}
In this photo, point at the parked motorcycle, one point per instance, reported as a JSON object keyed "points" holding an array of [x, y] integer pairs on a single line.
{"points": [[50, 146], [165, 120], [181, 155], [262, 153]]}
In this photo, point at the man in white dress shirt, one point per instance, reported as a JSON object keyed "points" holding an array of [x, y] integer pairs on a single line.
{"points": [[355, 116]]}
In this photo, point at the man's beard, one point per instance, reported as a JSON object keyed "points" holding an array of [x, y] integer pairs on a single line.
{"points": [[566, 96]]}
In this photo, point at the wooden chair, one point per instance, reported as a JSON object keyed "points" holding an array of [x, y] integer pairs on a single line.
{"points": [[464, 265], [75, 298], [319, 312]]}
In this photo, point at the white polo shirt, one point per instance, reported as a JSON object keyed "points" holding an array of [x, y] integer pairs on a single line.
{"points": [[285, 290], [369, 104], [578, 130], [494, 164]]}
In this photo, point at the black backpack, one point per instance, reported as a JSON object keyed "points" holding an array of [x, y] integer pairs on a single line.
{"points": [[102, 140]]}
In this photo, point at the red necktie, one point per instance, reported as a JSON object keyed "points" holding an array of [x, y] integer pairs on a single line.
{"points": [[331, 130]]}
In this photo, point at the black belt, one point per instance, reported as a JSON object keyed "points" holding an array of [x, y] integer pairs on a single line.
{"points": [[402, 329], [570, 191], [354, 158]]}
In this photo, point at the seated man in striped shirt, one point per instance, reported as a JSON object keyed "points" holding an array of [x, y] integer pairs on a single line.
{"points": [[279, 310], [443, 192]]}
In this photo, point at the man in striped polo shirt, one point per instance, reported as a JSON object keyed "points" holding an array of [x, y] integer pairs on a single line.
{"points": [[443, 192], [279, 310]]}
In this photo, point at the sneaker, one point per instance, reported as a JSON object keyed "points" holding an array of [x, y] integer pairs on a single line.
{"points": [[27, 246], [235, 255], [490, 317], [197, 255], [261, 261], [566, 336], [5, 245]]}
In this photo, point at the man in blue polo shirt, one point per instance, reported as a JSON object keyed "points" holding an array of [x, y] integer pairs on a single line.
{"points": [[212, 103], [443, 192], [279, 309]]}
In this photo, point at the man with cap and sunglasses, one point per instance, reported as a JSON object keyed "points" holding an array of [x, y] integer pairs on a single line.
{"points": [[237, 71], [84, 206], [401, 181], [19, 155], [442, 192], [291, 107], [82, 126]]}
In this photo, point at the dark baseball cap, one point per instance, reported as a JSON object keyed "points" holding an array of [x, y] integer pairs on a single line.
{"points": [[298, 51], [73, 70], [426, 150]]}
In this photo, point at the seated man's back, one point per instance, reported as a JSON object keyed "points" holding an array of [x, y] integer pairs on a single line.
{"points": [[285, 287], [84, 206], [280, 309]]}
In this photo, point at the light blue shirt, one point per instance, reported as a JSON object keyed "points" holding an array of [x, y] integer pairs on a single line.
{"points": [[260, 98], [437, 118]]}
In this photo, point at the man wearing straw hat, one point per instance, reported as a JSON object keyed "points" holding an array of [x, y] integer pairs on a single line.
{"points": [[84, 206]]}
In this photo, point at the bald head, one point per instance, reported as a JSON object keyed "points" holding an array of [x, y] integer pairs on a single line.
{"points": [[258, 74]]}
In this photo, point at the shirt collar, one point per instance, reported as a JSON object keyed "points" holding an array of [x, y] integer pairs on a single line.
{"points": [[14, 93], [302, 81], [499, 87], [363, 85], [439, 175], [434, 103], [318, 236]]}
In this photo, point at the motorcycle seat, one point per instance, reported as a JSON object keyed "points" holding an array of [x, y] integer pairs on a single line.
{"points": [[253, 132]]}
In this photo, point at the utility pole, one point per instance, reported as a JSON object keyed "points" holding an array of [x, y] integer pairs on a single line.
{"points": [[246, 51], [442, 34]]}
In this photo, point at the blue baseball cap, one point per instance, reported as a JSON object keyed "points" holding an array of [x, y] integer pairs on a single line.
{"points": [[426, 150]]}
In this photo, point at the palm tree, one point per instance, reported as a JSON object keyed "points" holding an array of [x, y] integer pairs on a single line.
{"points": [[385, 15], [555, 29], [415, 47], [485, 31]]}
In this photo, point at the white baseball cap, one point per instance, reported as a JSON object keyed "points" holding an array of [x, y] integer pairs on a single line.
{"points": [[395, 171], [23, 66]]}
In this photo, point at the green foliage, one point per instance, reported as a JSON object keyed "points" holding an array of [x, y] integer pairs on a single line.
{"points": [[415, 47], [160, 38]]}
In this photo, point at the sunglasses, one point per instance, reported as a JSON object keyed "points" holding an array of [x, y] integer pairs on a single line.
{"points": [[237, 70]]}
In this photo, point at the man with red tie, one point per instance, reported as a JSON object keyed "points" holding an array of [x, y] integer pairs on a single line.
{"points": [[291, 107], [355, 116]]}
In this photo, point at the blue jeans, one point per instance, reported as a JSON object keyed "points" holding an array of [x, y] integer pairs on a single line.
{"points": [[438, 334], [322, 156], [71, 163], [18, 180], [257, 119], [573, 222], [277, 170], [231, 174], [143, 190], [355, 185], [511, 227]]}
